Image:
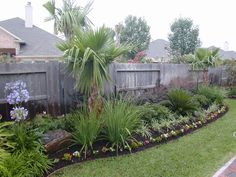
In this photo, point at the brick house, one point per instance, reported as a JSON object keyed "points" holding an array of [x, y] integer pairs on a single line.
{"points": [[24, 41]]}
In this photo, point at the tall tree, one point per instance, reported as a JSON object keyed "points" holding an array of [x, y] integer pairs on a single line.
{"points": [[87, 54], [68, 17], [183, 37], [134, 31]]}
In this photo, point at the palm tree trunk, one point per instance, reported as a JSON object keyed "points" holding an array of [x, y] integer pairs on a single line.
{"points": [[95, 102], [205, 76]]}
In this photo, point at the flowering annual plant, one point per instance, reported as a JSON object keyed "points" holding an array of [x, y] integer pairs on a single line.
{"points": [[19, 113], [16, 95], [16, 92], [139, 58]]}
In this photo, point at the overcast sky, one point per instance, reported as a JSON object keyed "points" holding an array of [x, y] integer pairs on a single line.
{"points": [[216, 18]]}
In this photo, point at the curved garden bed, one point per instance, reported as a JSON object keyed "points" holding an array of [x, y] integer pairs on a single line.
{"points": [[140, 145]]}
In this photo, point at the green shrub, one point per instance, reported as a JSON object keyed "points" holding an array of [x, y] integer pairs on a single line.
{"points": [[45, 123], [180, 101], [27, 164], [121, 119], [156, 125], [70, 120], [87, 129], [201, 100], [5, 135], [144, 130], [5, 144], [214, 94], [155, 111], [214, 107], [232, 92], [26, 138]]}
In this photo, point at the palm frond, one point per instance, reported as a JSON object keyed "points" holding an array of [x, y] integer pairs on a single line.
{"points": [[87, 54]]}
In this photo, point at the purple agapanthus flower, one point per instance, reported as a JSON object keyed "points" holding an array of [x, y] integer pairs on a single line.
{"points": [[16, 92], [19, 113]]}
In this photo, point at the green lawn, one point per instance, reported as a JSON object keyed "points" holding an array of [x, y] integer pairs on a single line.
{"points": [[199, 154]]}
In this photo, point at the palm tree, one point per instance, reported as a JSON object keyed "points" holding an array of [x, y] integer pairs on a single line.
{"points": [[87, 54], [205, 58], [67, 18]]}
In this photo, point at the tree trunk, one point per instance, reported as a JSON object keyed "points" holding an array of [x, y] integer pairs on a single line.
{"points": [[95, 102], [205, 77]]}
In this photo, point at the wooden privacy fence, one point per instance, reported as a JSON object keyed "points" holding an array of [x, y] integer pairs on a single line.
{"points": [[42, 83], [52, 90], [132, 78]]}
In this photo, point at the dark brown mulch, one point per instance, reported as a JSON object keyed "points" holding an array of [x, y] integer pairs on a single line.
{"points": [[100, 144]]}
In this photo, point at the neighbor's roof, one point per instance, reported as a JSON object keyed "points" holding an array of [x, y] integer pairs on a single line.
{"points": [[158, 49], [37, 42]]}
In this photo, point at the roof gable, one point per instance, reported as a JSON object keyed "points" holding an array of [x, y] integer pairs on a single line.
{"points": [[38, 42]]}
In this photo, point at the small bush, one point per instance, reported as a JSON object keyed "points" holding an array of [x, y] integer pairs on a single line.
{"points": [[70, 120], [201, 100], [180, 101], [155, 111], [156, 125], [121, 120], [26, 138], [4, 155], [45, 123], [214, 107], [144, 131], [5, 145], [87, 129], [232, 92], [214, 94], [27, 164]]}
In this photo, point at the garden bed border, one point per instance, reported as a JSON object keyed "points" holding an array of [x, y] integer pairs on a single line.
{"points": [[149, 145]]}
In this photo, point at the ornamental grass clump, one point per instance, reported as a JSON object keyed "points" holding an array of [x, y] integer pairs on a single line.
{"points": [[17, 94], [214, 94], [121, 120], [87, 129]]}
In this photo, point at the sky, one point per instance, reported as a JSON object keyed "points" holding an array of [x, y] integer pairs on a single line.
{"points": [[215, 18]]}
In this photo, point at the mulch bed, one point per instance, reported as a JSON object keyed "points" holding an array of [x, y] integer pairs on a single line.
{"points": [[101, 144], [232, 97]]}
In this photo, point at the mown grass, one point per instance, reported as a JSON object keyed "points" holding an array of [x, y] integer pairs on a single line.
{"points": [[199, 154]]}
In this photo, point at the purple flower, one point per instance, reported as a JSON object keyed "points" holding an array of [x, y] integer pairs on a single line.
{"points": [[19, 113], [16, 92]]}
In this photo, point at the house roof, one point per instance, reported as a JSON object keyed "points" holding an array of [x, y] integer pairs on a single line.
{"points": [[225, 54], [158, 49], [34, 41]]}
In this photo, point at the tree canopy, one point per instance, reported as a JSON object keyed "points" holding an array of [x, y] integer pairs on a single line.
{"points": [[183, 37], [134, 31], [87, 55], [68, 17]]}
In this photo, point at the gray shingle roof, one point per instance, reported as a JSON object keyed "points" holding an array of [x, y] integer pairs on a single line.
{"points": [[225, 54], [158, 49], [37, 41]]}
